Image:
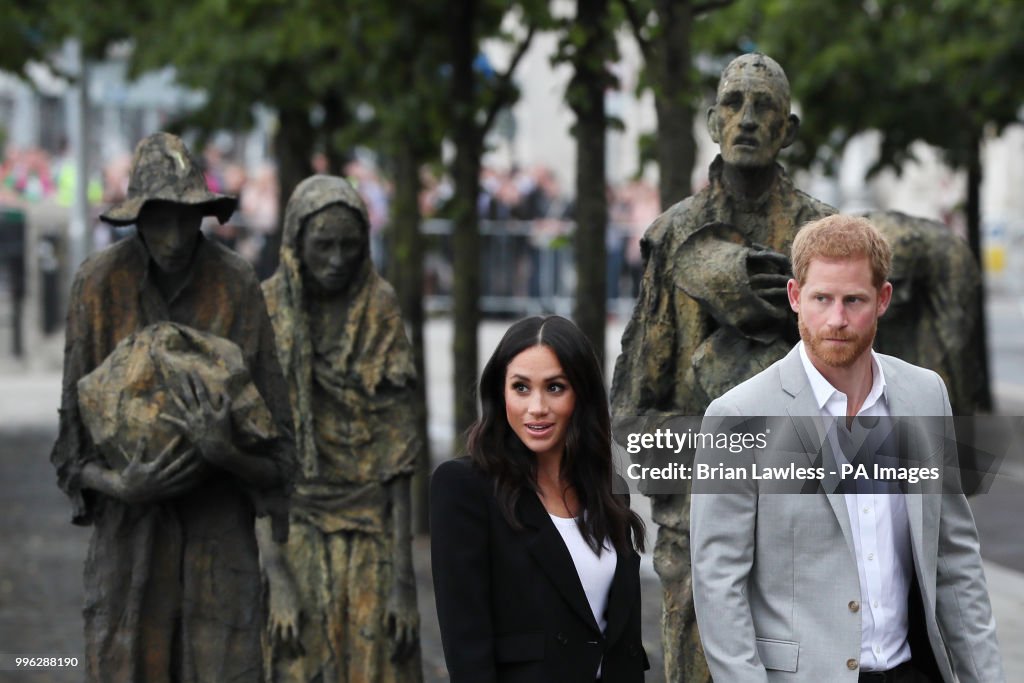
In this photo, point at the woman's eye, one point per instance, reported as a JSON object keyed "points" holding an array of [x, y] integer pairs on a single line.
{"points": [[519, 388], [556, 387]]}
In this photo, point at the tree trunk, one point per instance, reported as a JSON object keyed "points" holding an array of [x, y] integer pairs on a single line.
{"points": [[973, 211], [676, 148], [406, 266], [465, 238], [336, 117], [293, 148], [587, 99]]}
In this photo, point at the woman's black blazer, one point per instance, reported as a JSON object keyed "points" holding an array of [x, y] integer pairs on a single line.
{"points": [[510, 603]]}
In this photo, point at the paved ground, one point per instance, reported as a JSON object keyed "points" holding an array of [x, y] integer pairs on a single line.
{"points": [[42, 558], [42, 555]]}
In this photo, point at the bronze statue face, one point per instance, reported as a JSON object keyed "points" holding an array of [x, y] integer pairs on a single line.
{"points": [[751, 121], [334, 244], [170, 232]]}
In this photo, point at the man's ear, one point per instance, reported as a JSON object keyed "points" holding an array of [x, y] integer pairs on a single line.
{"points": [[714, 125], [793, 291], [884, 298], [792, 129]]}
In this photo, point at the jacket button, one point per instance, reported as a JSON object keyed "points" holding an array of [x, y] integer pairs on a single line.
{"points": [[560, 637], [854, 606], [851, 664]]}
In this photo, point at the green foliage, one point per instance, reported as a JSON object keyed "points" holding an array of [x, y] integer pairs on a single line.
{"points": [[22, 37], [939, 71], [383, 58], [647, 145], [294, 55], [656, 24], [366, 70], [588, 45], [33, 31]]}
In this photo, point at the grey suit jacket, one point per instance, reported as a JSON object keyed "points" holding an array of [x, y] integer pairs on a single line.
{"points": [[775, 579]]}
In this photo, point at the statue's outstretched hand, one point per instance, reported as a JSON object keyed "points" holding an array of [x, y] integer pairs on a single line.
{"points": [[403, 619], [283, 620]]}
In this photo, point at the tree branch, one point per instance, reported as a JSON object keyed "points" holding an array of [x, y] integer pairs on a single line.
{"points": [[638, 27], [504, 85], [709, 5]]}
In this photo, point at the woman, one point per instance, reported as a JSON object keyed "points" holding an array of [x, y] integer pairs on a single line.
{"points": [[342, 593], [535, 572]]}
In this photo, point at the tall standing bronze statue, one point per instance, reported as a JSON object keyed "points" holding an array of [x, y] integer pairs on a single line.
{"points": [[342, 591], [712, 308], [167, 338]]}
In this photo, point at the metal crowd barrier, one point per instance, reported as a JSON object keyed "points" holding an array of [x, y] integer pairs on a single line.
{"points": [[526, 268]]}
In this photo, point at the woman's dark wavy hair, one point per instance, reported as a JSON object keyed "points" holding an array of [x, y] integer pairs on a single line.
{"points": [[587, 463]]}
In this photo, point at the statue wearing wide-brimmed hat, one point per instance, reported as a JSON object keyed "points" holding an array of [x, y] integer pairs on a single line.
{"points": [[172, 579], [163, 170]]}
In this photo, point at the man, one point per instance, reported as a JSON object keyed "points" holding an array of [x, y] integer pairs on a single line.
{"points": [[866, 580], [172, 580], [712, 306]]}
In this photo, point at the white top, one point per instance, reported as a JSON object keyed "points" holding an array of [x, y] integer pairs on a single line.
{"points": [[881, 532], [595, 572]]}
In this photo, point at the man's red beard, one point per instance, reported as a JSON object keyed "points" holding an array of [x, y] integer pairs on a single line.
{"points": [[842, 356]]}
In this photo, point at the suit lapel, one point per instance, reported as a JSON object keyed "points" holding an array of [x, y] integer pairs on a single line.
{"points": [[804, 411], [915, 515], [896, 392], [803, 408], [620, 596], [549, 551], [916, 445]]}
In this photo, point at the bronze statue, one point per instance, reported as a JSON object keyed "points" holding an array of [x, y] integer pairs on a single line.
{"points": [[712, 307], [933, 313], [172, 579], [342, 591]]}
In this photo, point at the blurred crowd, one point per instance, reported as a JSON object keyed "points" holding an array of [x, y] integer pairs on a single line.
{"points": [[526, 211], [32, 174], [530, 203]]}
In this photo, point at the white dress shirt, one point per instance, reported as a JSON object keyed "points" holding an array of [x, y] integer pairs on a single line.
{"points": [[881, 531], [595, 571]]}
